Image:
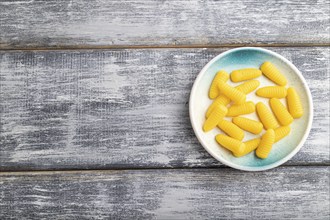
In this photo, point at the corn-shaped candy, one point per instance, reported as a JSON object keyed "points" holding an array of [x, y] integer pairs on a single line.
{"points": [[272, 92], [246, 108], [232, 93], [231, 129], [217, 114], [272, 73], [294, 103], [280, 112], [281, 132], [244, 74], [266, 143], [249, 125], [220, 100], [266, 116], [221, 76], [248, 86], [250, 146], [235, 146]]}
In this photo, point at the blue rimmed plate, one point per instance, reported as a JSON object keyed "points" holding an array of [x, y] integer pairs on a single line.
{"points": [[239, 58]]}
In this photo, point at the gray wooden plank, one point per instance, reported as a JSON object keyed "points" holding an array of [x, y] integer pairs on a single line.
{"points": [[283, 193], [123, 108], [86, 23]]}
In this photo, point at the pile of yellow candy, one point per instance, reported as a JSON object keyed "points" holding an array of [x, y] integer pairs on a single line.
{"points": [[276, 122]]}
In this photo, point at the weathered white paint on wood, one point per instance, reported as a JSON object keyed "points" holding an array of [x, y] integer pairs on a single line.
{"points": [[123, 108], [283, 193], [62, 23], [108, 109]]}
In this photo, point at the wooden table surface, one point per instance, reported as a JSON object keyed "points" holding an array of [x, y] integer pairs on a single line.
{"points": [[94, 117]]}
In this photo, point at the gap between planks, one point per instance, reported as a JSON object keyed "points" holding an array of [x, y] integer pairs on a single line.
{"points": [[107, 47], [54, 171]]}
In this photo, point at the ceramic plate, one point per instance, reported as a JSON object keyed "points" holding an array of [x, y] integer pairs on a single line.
{"points": [[240, 58]]}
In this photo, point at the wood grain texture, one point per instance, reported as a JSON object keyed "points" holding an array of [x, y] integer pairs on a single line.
{"points": [[92, 23], [123, 108], [283, 193]]}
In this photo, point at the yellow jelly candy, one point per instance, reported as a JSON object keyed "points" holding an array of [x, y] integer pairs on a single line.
{"points": [[246, 108], [280, 112], [266, 116], [266, 143], [250, 146], [244, 74], [231, 129], [272, 92], [220, 100], [272, 73], [217, 114], [294, 103], [248, 86], [232, 93], [281, 132], [235, 146], [249, 125], [221, 76]]}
